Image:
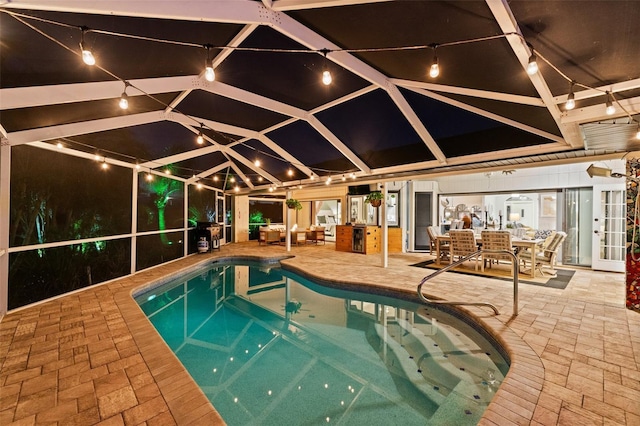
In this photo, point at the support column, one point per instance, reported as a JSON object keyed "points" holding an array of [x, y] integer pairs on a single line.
{"points": [[287, 222], [134, 220], [5, 179], [385, 228]]}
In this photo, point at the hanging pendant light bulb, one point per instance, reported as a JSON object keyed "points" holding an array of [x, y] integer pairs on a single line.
{"points": [[326, 75], [200, 138], [571, 101], [87, 56], [290, 172], [434, 70], [610, 110], [209, 73], [124, 101], [638, 133], [257, 162], [532, 66]]}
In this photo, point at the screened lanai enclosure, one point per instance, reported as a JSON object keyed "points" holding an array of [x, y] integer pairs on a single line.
{"points": [[125, 124]]}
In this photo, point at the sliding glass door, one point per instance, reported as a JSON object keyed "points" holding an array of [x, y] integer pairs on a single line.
{"points": [[578, 215]]}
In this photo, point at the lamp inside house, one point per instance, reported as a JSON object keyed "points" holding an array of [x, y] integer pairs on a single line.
{"points": [[514, 217]]}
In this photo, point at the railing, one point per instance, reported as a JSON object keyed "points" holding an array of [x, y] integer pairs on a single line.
{"points": [[462, 260]]}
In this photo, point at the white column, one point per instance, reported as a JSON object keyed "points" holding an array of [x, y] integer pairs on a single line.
{"points": [[5, 178], [134, 220], [287, 223], [185, 221], [385, 228]]}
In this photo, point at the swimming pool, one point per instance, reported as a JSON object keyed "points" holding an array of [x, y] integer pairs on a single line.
{"points": [[270, 347]]}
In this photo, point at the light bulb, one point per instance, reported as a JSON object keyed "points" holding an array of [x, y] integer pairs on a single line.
{"points": [[149, 177], [232, 179], [237, 188], [290, 172], [200, 138], [571, 102], [87, 56], [199, 185], [209, 73], [257, 163], [215, 178], [59, 145], [434, 71], [610, 108], [638, 134], [326, 77], [124, 102], [260, 179], [532, 66], [105, 166], [271, 189], [167, 171]]}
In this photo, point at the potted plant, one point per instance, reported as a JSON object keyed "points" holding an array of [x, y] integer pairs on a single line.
{"points": [[292, 203], [374, 198]]}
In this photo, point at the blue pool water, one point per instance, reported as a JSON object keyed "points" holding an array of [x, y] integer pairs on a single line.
{"points": [[269, 347]]}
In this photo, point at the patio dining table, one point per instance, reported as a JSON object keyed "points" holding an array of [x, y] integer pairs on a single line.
{"points": [[517, 243]]}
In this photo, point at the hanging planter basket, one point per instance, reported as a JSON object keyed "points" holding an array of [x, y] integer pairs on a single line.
{"points": [[374, 198], [293, 204]]}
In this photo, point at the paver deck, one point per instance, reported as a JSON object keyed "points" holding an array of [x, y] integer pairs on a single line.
{"points": [[92, 357]]}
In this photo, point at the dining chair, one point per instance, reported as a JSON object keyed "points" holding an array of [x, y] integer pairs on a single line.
{"points": [[496, 240], [433, 232], [463, 243], [548, 256]]}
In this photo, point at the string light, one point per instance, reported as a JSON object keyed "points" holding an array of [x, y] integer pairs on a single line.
{"points": [[344, 178], [532, 66], [167, 171], [59, 145], [149, 176], [326, 75], [610, 109], [215, 178], [237, 188], [571, 101], [638, 132], [124, 101], [290, 172], [232, 179], [257, 162], [209, 73], [271, 189], [200, 138], [434, 70], [199, 185], [353, 175], [105, 165], [87, 56], [328, 181], [260, 179]]}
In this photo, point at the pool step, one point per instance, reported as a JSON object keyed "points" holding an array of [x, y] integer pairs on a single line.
{"points": [[408, 366]]}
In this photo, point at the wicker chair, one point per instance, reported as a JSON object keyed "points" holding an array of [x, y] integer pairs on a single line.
{"points": [[463, 243], [496, 240], [433, 232], [548, 256]]}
